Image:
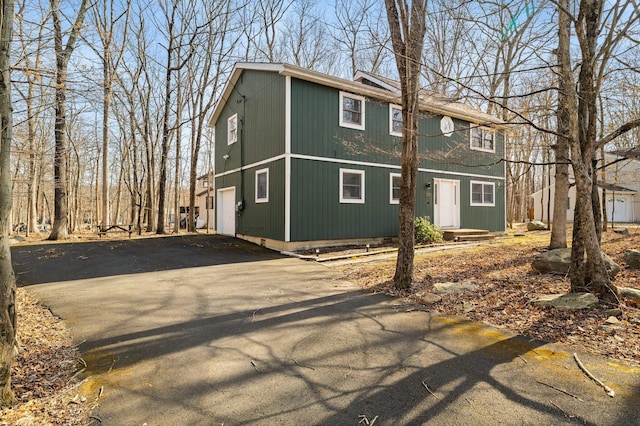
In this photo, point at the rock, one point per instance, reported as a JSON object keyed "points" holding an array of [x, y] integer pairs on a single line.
{"points": [[447, 288], [629, 293], [536, 225], [567, 302], [632, 258], [622, 231], [468, 307], [429, 298], [615, 312], [558, 262], [612, 320]]}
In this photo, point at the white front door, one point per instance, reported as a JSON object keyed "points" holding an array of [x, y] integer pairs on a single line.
{"points": [[446, 203], [226, 211], [619, 208]]}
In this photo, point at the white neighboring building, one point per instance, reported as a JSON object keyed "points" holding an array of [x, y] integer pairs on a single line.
{"points": [[204, 195], [622, 188]]}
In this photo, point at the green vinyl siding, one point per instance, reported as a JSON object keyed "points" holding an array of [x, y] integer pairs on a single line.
{"points": [[259, 100], [316, 211], [266, 219], [315, 131]]}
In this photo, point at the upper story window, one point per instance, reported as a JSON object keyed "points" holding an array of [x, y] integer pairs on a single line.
{"points": [[394, 188], [482, 193], [395, 120], [262, 186], [483, 139], [351, 111], [205, 182], [351, 186], [232, 129]]}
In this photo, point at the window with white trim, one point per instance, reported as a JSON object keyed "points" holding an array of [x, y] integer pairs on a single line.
{"points": [[394, 188], [483, 139], [351, 186], [351, 111], [262, 186], [395, 120], [232, 129], [483, 193]]}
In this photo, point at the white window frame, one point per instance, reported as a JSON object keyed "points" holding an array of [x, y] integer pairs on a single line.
{"points": [[232, 137], [391, 108], [391, 177], [483, 131], [266, 198], [352, 200], [483, 183], [348, 124]]}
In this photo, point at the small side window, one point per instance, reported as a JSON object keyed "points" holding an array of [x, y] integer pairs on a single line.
{"points": [[394, 188], [232, 129], [262, 186], [352, 111], [395, 120], [482, 193]]}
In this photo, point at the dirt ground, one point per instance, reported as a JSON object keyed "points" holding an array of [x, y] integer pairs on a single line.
{"points": [[506, 285]]}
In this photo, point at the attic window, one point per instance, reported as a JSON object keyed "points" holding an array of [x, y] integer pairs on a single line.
{"points": [[351, 111], [483, 139], [232, 129]]}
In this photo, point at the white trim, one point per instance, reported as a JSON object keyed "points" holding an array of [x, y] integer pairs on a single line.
{"points": [[352, 200], [482, 129], [349, 124], [353, 163], [482, 204], [287, 198], [391, 199], [287, 159], [231, 140], [391, 108], [257, 173]]}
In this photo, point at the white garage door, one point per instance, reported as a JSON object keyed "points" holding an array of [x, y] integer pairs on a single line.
{"points": [[619, 208]]}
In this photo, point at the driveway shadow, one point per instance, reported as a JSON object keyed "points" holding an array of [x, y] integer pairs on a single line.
{"points": [[38, 264]]}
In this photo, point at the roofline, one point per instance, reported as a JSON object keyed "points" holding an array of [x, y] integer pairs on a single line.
{"points": [[342, 84]]}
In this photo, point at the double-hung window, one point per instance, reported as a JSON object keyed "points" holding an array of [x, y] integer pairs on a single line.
{"points": [[232, 129], [395, 120], [394, 188], [351, 186], [483, 139], [262, 186], [352, 111], [482, 193]]}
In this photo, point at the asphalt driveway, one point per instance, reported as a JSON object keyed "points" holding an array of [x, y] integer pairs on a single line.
{"points": [[209, 330]]}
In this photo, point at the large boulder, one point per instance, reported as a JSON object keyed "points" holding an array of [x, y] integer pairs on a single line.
{"points": [[536, 225], [567, 302], [459, 287], [632, 258], [558, 261]]}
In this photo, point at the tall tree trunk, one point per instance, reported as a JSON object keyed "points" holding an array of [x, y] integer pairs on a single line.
{"points": [[7, 277], [561, 148], [59, 230], [407, 36]]}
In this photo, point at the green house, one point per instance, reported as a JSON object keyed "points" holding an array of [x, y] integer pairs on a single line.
{"points": [[304, 159]]}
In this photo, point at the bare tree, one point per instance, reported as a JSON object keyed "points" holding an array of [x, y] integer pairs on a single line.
{"points": [[7, 277], [63, 53], [407, 25]]}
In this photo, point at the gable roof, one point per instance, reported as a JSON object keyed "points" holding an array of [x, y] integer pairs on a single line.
{"points": [[384, 89]]}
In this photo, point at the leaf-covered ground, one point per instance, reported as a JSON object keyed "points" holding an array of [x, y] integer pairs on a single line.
{"points": [[506, 285], [45, 371]]}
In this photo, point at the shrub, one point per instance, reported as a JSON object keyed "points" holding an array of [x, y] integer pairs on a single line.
{"points": [[426, 232]]}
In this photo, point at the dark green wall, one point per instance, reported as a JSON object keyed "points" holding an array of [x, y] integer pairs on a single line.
{"points": [[259, 100], [316, 211], [316, 131]]}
